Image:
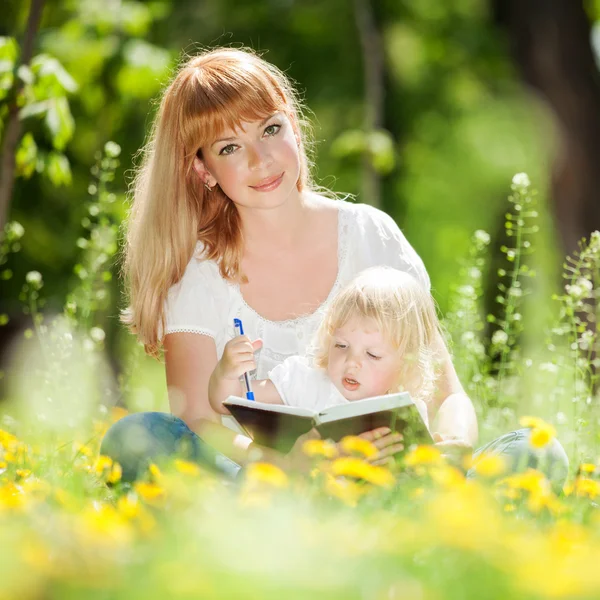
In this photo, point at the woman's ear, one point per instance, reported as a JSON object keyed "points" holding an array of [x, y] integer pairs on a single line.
{"points": [[203, 172]]}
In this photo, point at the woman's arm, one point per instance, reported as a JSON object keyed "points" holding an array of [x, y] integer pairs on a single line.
{"points": [[451, 411], [190, 359]]}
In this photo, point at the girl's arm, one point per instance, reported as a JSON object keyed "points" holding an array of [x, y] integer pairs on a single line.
{"points": [[451, 411]]}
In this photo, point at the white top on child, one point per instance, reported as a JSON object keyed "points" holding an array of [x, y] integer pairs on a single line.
{"points": [[205, 303], [300, 384]]}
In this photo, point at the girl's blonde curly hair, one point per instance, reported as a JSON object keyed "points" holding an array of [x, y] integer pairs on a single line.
{"points": [[404, 312]]}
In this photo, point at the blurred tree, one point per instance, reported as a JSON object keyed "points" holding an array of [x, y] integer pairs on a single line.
{"points": [[551, 43]]}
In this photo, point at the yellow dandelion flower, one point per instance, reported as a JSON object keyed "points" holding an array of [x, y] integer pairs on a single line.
{"points": [[531, 422], [82, 449], [155, 472], [129, 506], [489, 465], [348, 466], [266, 473], [447, 476], [349, 492], [423, 455], [509, 508], [587, 468], [12, 497], [542, 433], [102, 464], [3, 465], [568, 488], [186, 467], [352, 444], [115, 473], [541, 437], [23, 473], [150, 492], [530, 480], [324, 448], [101, 523], [540, 499], [587, 487], [117, 413], [7, 439]]}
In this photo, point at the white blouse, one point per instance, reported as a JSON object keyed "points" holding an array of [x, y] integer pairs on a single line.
{"points": [[205, 303]]}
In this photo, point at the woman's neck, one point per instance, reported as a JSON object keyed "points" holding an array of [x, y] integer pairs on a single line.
{"points": [[281, 227]]}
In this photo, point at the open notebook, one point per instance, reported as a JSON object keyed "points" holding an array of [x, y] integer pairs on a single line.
{"points": [[279, 426]]}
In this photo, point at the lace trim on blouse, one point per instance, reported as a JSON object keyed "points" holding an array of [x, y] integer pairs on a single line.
{"points": [[197, 330]]}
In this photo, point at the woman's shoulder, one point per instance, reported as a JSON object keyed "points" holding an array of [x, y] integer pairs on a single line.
{"points": [[369, 219], [200, 273]]}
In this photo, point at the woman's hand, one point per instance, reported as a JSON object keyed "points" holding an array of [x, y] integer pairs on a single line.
{"points": [[388, 444], [453, 448]]}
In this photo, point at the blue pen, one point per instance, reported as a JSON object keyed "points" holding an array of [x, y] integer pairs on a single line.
{"points": [[237, 323]]}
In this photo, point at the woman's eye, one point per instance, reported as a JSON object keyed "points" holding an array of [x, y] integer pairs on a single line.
{"points": [[229, 149], [272, 129], [373, 356], [342, 346]]}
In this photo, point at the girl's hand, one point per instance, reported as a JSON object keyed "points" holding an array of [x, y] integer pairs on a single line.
{"points": [[238, 357], [387, 442]]}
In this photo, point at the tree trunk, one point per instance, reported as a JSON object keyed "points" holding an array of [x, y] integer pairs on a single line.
{"points": [[551, 45], [12, 129], [373, 69]]}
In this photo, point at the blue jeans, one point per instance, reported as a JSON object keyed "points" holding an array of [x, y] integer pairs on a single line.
{"points": [[141, 438]]}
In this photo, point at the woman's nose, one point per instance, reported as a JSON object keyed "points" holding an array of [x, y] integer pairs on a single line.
{"points": [[259, 157]]}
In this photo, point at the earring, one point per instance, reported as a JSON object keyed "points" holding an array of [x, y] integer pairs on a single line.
{"points": [[208, 187]]}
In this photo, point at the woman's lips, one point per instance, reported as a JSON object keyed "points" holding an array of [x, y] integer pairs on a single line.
{"points": [[269, 184]]}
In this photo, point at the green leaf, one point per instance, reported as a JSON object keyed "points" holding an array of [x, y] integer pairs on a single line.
{"points": [[9, 50], [57, 169], [49, 71], [381, 147], [34, 108], [59, 122], [26, 156]]}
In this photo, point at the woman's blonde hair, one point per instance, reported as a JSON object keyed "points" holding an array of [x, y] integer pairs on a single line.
{"points": [[172, 210], [404, 312]]}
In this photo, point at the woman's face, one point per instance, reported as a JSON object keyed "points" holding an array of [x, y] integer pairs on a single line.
{"points": [[257, 166]]}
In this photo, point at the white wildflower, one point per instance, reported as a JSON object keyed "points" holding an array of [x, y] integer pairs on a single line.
{"points": [[521, 180], [97, 334], [482, 237], [34, 279], [499, 338]]}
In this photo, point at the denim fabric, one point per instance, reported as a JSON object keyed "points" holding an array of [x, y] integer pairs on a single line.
{"points": [[141, 438], [515, 448]]}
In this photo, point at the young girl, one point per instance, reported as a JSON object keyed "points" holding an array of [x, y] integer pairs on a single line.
{"points": [[227, 223], [377, 337]]}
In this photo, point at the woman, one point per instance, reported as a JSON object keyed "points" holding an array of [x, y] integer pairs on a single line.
{"points": [[226, 222]]}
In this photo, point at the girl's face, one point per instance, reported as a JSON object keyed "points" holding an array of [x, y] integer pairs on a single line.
{"points": [[362, 363], [257, 166]]}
